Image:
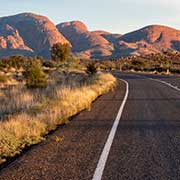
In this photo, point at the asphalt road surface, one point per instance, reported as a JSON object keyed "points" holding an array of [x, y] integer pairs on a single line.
{"points": [[146, 143]]}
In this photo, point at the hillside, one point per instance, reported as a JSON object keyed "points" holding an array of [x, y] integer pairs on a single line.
{"points": [[151, 39], [85, 43], [28, 32]]}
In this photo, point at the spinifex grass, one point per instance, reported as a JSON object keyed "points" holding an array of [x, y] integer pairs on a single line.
{"points": [[43, 110]]}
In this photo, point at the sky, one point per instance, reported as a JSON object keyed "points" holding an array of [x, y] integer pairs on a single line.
{"points": [[116, 16]]}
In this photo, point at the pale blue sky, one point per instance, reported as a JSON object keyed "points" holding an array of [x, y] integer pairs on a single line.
{"points": [[118, 16]]}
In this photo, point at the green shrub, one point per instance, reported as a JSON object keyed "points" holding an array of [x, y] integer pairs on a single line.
{"points": [[176, 71], [17, 61], [91, 69], [35, 77], [49, 64]]}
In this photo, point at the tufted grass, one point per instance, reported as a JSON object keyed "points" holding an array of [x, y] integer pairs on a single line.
{"points": [[43, 110]]}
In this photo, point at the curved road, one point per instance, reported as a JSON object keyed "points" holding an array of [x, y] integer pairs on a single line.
{"points": [[146, 144]]}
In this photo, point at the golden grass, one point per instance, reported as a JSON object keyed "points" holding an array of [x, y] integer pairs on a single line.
{"points": [[42, 114], [15, 99]]}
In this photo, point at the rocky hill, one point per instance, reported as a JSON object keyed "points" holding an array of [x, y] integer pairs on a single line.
{"points": [[32, 34], [151, 39], [85, 43]]}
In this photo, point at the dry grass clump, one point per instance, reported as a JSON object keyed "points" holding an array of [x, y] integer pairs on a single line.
{"points": [[42, 110], [3, 78], [15, 99]]}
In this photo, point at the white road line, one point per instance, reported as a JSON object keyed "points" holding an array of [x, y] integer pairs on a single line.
{"points": [[105, 153], [168, 84]]}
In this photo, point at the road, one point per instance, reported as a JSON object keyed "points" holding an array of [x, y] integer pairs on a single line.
{"points": [[146, 144]]}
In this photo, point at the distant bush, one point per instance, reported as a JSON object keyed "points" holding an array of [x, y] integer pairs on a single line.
{"points": [[159, 69], [126, 67], [109, 65], [16, 62], [176, 71], [91, 69], [73, 63], [49, 64], [35, 77], [137, 63], [60, 52]]}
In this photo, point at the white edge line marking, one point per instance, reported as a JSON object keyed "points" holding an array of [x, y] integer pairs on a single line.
{"points": [[168, 84], [105, 153]]}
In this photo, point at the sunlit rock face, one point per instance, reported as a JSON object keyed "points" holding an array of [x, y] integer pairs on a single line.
{"points": [[10, 38], [29, 32], [151, 39], [85, 43]]}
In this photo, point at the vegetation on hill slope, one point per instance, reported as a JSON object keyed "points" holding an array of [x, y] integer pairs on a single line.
{"points": [[166, 62]]}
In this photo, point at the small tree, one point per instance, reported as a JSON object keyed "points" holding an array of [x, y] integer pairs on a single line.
{"points": [[60, 52]]}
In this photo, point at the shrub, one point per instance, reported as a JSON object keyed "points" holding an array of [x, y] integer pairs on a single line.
{"points": [[2, 65], [126, 67], [49, 64], [176, 71], [60, 52], [35, 77], [91, 69], [137, 63], [109, 65], [159, 69], [17, 61]]}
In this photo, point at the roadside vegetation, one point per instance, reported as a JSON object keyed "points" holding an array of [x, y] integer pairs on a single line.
{"points": [[36, 96], [166, 62]]}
